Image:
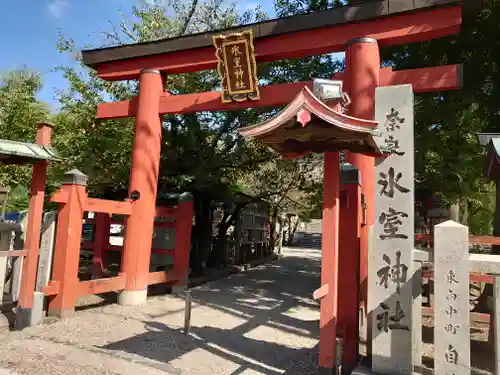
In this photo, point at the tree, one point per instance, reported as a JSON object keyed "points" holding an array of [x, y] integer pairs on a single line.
{"points": [[448, 158], [290, 186], [201, 152], [19, 112]]}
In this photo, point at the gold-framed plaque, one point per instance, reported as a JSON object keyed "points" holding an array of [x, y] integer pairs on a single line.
{"points": [[237, 66]]}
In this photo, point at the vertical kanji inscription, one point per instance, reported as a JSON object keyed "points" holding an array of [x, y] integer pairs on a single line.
{"points": [[237, 66], [391, 267]]}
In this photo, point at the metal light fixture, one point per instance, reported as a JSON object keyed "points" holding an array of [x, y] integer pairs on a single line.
{"points": [[327, 89]]}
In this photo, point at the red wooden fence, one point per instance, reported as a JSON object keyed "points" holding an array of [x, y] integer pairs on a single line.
{"points": [[64, 287], [474, 277]]}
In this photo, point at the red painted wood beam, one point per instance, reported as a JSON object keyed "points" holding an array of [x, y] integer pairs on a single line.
{"points": [[474, 277], [474, 316], [406, 28], [108, 207], [439, 78], [478, 240], [98, 286], [161, 277], [448, 77], [52, 289]]}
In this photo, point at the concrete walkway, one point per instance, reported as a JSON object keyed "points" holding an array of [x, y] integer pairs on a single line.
{"points": [[262, 321]]}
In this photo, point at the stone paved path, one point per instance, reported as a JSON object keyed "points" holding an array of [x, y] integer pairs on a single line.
{"points": [[262, 321]]}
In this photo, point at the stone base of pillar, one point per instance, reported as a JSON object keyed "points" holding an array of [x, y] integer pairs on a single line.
{"points": [[27, 317], [23, 318], [348, 369], [362, 370], [132, 297]]}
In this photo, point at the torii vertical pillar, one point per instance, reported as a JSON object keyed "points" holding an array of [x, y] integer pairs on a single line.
{"points": [[329, 264], [362, 78], [142, 187], [348, 283]]}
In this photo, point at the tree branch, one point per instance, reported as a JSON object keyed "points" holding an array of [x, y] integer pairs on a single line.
{"points": [[125, 30], [188, 18]]}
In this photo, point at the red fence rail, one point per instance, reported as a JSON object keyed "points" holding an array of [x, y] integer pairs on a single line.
{"points": [[475, 240], [65, 287], [101, 236], [474, 277]]}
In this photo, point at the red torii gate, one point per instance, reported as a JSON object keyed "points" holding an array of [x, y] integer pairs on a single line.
{"points": [[359, 30]]}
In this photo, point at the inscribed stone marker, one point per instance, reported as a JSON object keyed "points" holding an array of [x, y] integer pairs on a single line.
{"points": [[496, 323], [5, 237], [46, 250], [416, 330], [44, 266], [391, 261], [451, 283]]}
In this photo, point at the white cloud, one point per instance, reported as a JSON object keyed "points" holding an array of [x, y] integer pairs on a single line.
{"points": [[56, 8]]}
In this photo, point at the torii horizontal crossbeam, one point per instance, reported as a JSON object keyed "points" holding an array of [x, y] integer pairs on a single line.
{"points": [[403, 26], [441, 78]]}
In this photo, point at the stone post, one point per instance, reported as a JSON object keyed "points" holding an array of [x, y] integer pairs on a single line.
{"points": [[5, 241], [496, 322], [44, 265], [416, 330], [451, 283], [390, 284]]}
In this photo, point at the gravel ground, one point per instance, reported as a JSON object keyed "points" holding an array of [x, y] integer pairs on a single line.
{"points": [[262, 321]]}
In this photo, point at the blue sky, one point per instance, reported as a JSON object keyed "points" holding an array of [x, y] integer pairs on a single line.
{"points": [[30, 30]]}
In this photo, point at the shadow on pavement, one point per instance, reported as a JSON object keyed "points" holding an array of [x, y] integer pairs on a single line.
{"points": [[275, 298]]}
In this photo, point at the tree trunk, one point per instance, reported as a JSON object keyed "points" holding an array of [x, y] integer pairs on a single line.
{"points": [[280, 239], [292, 232], [219, 253], [202, 231], [464, 217], [455, 211], [272, 228]]}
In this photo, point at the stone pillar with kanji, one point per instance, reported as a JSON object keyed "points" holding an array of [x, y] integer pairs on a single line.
{"points": [[390, 284]]}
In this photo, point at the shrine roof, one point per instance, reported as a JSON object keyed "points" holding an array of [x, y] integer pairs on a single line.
{"points": [[492, 169], [309, 125], [12, 152], [356, 12]]}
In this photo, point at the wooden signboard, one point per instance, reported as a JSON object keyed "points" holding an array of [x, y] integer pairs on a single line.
{"points": [[237, 67]]}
